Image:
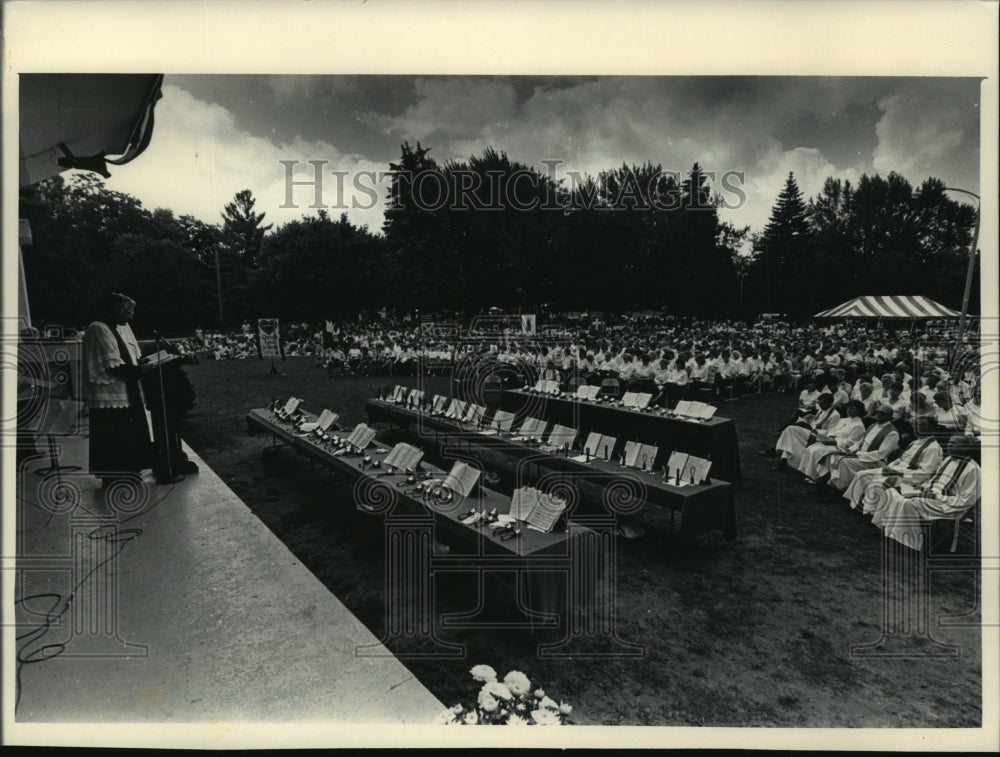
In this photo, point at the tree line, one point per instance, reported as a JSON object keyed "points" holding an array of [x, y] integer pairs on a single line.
{"points": [[633, 237]]}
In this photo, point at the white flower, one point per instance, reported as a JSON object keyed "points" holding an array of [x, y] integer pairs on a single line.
{"points": [[445, 717], [539, 693], [548, 704], [497, 689], [483, 673], [517, 682], [471, 718], [488, 702], [457, 709], [565, 709], [546, 717], [516, 720]]}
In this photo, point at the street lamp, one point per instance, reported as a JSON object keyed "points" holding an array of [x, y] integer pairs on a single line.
{"points": [[972, 262]]}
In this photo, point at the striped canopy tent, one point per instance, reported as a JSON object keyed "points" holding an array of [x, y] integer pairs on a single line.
{"points": [[890, 306]]}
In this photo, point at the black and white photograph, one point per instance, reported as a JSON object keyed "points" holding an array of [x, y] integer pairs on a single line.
{"points": [[376, 368]]}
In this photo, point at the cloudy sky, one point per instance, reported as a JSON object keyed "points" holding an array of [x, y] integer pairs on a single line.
{"points": [[218, 134]]}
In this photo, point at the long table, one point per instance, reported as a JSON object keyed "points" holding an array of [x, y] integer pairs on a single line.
{"points": [[559, 574], [702, 508], [715, 436]]}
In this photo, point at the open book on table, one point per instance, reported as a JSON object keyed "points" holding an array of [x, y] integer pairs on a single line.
{"points": [[694, 409], [538, 510], [326, 419], [290, 407], [456, 409], [696, 470], [474, 414], [439, 405], [461, 479], [415, 398], [501, 421], [600, 446], [403, 457], [640, 455], [560, 437], [361, 436], [587, 391], [398, 394], [532, 428]]}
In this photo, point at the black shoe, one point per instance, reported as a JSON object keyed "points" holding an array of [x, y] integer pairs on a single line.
{"points": [[187, 466]]}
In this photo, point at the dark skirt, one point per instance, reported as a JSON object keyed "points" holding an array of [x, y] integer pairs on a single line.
{"points": [[119, 441]]}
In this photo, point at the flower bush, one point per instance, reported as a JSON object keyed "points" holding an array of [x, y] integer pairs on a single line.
{"points": [[507, 702]]}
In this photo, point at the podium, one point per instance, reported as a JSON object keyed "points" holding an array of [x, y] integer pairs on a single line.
{"points": [[159, 382]]}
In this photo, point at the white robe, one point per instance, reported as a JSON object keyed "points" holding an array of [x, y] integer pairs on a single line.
{"points": [[900, 516], [868, 486], [815, 458], [792, 442], [844, 469]]}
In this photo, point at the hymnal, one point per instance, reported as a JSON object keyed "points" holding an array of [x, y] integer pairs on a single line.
{"points": [[699, 467], [439, 403], [640, 455], [540, 511], [601, 446], [403, 457], [676, 466], [291, 406], [461, 479], [326, 419], [561, 436], [457, 409], [502, 420], [474, 414], [533, 428], [361, 436], [399, 393]]}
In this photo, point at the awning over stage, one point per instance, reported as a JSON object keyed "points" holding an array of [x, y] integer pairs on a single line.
{"points": [[890, 306]]}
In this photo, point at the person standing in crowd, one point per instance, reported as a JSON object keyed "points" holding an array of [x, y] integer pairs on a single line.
{"points": [[120, 445]]}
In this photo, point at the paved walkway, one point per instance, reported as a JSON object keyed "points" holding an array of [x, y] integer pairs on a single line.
{"points": [[186, 609]]}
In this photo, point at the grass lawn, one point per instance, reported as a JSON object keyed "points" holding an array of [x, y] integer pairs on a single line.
{"points": [[756, 632]]}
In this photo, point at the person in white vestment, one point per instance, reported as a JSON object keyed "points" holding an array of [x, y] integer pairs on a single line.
{"points": [[879, 442], [917, 464], [795, 438], [954, 488], [846, 434]]}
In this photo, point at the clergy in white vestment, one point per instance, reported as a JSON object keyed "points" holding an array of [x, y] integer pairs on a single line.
{"points": [[917, 464], [880, 440], [846, 434], [795, 438], [954, 488]]}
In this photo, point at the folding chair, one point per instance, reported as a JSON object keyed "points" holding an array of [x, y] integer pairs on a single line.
{"points": [[611, 387]]}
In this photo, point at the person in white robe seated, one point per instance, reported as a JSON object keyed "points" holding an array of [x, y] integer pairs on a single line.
{"points": [[879, 442], [954, 488], [915, 466], [845, 435], [795, 438]]}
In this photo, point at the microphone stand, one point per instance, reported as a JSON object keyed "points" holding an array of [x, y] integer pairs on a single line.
{"points": [[163, 411]]}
